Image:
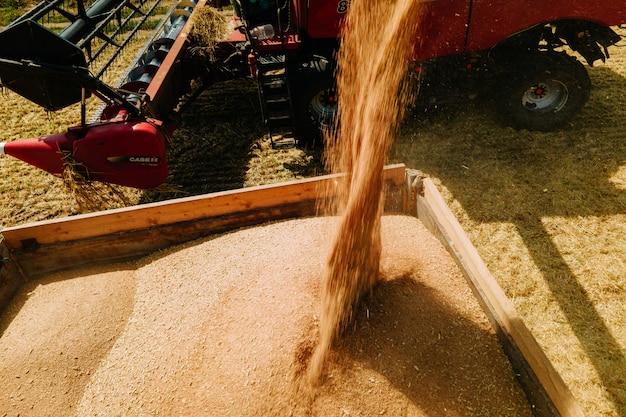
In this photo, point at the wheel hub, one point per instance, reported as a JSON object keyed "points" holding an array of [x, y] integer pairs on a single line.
{"points": [[548, 95], [323, 107]]}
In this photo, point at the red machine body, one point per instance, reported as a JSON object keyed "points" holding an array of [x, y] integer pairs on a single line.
{"points": [[492, 21], [516, 50], [457, 26]]}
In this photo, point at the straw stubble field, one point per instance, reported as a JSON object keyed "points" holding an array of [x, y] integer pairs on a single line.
{"points": [[545, 210]]}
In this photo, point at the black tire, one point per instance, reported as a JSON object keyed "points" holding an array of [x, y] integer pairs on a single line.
{"points": [[315, 107], [543, 91]]}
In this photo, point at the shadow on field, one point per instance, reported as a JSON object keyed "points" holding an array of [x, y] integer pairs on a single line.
{"points": [[498, 174], [210, 150]]}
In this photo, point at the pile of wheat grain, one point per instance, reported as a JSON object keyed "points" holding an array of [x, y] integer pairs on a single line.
{"points": [[224, 325]]}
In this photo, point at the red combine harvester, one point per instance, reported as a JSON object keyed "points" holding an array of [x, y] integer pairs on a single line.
{"points": [[509, 50]]}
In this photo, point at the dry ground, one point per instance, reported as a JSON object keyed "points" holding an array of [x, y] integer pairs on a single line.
{"points": [[545, 210]]}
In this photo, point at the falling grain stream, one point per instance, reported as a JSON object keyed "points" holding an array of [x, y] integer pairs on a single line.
{"points": [[372, 64]]}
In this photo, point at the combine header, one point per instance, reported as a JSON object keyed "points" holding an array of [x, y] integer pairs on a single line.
{"points": [[125, 143]]}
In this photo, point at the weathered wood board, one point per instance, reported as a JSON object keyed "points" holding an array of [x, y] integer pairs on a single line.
{"points": [[543, 385]]}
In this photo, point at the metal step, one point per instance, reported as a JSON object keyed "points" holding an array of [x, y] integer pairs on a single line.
{"points": [[282, 142], [276, 99], [273, 82]]}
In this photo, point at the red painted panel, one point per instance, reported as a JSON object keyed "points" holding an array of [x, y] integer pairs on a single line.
{"points": [[442, 32], [125, 153], [128, 153], [324, 18], [495, 20], [443, 28], [43, 152]]}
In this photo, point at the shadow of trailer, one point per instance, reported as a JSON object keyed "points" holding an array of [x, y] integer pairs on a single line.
{"points": [[34, 250]]}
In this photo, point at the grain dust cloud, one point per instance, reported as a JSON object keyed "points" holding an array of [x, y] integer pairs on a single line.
{"points": [[371, 87]]}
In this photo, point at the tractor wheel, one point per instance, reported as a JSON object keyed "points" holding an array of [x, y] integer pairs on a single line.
{"points": [[543, 91], [315, 109]]}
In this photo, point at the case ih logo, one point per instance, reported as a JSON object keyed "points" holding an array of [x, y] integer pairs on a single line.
{"points": [[144, 159]]}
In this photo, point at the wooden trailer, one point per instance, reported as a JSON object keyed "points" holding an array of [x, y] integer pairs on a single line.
{"points": [[33, 250]]}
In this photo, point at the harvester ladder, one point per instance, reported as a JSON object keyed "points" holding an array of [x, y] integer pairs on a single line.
{"points": [[276, 99]]}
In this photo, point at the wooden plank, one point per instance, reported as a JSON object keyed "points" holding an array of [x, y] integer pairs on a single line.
{"points": [[154, 215], [117, 235], [544, 387], [131, 245]]}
